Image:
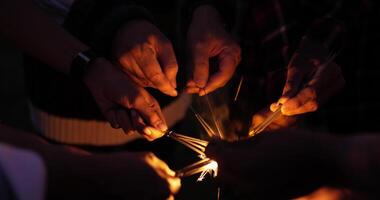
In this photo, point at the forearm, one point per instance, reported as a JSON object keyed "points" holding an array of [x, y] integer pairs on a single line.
{"points": [[23, 23], [96, 22], [225, 9], [360, 164], [70, 171]]}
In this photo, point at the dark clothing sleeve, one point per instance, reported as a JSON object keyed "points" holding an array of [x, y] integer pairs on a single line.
{"points": [[226, 9], [330, 21], [95, 22]]}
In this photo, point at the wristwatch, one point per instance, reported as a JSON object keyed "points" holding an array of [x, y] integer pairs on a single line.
{"points": [[81, 62]]}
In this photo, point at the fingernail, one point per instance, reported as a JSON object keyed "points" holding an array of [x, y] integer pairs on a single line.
{"points": [[171, 172], [273, 107], [147, 131], [174, 93]]}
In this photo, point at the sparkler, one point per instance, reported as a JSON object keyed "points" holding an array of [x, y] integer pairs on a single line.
{"points": [[238, 88], [258, 129], [206, 165], [195, 144]]}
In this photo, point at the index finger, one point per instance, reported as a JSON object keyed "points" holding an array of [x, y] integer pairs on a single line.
{"points": [[168, 61], [150, 110], [227, 66], [200, 66], [152, 71]]}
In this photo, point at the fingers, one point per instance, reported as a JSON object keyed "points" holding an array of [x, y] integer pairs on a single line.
{"points": [[200, 66], [129, 66], [150, 111], [191, 87], [305, 101], [163, 171], [152, 70], [228, 61], [110, 115], [149, 132], [168, 62], [293, 80], [123, 120]]}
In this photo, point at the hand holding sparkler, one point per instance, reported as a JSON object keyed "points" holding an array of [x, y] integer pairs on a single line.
{"points": [[312, 78]]}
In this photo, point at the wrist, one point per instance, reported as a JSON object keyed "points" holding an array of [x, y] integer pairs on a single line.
{"points": [[206, 14], [308, 46], [356, 164], [81, 62]]}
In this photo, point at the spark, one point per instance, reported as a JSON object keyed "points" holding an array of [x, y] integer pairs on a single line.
{"points": [[238, 88], [210, 132], [213, 116], [204, 166]]}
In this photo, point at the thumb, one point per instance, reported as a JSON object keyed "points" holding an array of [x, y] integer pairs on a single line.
{"points": [[200, 66], [169, 63]]}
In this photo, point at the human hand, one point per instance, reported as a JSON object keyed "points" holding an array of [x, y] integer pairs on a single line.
{"points": [[140, 176], [112, 176], [291, 163], [147, 56], [310, 82], [207, 38], [116, 95]]}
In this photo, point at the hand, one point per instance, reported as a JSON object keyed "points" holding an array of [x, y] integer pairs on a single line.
{"points": [[309, 82], [207, 38], [116, 95], [137, 176], [74, 172], [147, 56], [291, 164]]}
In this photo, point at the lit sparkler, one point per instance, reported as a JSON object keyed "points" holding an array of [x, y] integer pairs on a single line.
{"points": [[206, 165], [258, 129]]}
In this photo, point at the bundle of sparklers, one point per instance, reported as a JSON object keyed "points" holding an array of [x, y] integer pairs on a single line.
{"points": [[207, 165]]}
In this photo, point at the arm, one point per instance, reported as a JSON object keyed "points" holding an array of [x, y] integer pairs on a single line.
{"points": [[126, 33], [296, 163], [328, 23], [23, 23], [74, 172], [31, 30]]}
